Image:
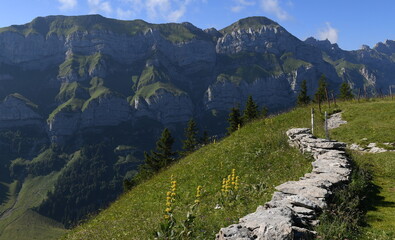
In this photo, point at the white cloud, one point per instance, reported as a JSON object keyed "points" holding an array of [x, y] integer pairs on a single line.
{"points": [[330, 33], [97, 6], [67, 4], [124, 14], [241, 5], [169, 10], [273, 7]]}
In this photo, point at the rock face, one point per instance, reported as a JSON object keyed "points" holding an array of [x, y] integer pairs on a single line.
{"points": [[171, 72], [294, 209], [108, 110], [16, 111]]}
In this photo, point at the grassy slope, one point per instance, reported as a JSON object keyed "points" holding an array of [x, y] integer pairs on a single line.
{"points": [[261, 156], [15, 226], [375, 121]]}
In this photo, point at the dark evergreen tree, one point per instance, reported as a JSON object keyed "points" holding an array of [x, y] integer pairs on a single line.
{"points": [[251, 110], [235, 120], [191, 141], [163, 155], [164, 148], [345, 91], [320, 94], [205, 138], [264, 112], [303, 98]]}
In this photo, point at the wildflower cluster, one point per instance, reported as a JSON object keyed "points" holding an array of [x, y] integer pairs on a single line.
{"points": [[198, 194], [231, 183], [170, 198], [170, 228]]}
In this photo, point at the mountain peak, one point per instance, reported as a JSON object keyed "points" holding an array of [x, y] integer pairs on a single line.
{"points": [[388, 47], [251, 22]]}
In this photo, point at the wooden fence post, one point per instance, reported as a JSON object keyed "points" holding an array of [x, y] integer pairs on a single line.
{"points": [[326, 126], [312, 121]]}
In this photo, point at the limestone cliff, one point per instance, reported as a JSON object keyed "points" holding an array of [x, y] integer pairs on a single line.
{"points": [[168, 72]]}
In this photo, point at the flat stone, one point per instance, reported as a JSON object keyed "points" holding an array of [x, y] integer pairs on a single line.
{"points": [[297, 188], [267, 224], [377, 150], [333, 163], [234, 232], [302, 210], [355, 146], [372, 145], [298, 131], [303, 233], [339, 170], [334, 178]]}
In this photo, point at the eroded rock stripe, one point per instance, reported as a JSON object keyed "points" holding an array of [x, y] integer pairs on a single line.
{"points": [[294, 208]]}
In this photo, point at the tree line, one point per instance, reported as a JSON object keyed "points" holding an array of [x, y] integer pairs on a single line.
{"points": [[322, 94], [164, 155]]}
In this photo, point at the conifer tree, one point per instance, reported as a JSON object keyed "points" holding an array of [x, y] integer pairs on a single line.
{"points": [[234, 120], [205, 138], [251, 110], [320, 94], [303, 98], [191, 132], [345, 91], [264, 112], [163, 155]]}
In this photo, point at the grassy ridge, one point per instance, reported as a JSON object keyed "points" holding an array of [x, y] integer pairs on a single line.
{"points": [[23, 224], [261, 156], [375, 121]]}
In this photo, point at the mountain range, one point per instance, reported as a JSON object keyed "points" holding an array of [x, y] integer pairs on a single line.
{"points": [[69, 83]]}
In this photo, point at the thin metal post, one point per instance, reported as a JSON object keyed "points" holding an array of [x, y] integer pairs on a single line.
{"points": [[312, 121], [326, 126]]}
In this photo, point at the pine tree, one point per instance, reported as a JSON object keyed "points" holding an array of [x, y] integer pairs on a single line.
{"points": [[205, 138], [163, 155], [251, 110], [264, 112], [345, 91], [235, 120], [303, 98], [191, 141], [320, 94]]}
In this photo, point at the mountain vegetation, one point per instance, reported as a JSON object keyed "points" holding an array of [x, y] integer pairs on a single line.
{"points": [[207, 165], [83, 105]]}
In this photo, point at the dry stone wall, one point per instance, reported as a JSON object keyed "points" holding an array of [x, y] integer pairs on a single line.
{"points": [[293, 211]]}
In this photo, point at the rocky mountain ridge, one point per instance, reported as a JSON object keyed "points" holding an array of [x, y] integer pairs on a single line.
{"points": [[96, 71]]}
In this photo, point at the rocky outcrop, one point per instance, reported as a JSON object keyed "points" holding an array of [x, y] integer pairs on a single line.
{"points": [[292, 213], [106, 110], [16, 111], [164, 107], [267, 61], [273, 92]]}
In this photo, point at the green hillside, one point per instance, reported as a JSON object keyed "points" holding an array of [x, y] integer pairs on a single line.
{"points": [[18, 221], [374, 122], [258, 152], [260, 155]]}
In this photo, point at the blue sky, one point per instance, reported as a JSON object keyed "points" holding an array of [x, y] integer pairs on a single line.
{"points": [[348, 23]]}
